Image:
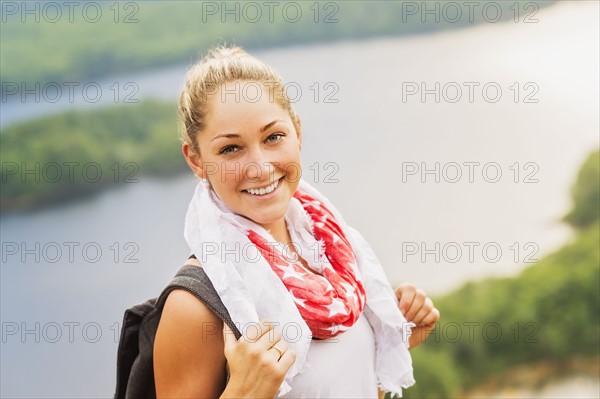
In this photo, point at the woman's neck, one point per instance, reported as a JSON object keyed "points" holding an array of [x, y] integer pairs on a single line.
{"points": [[279, 231]]}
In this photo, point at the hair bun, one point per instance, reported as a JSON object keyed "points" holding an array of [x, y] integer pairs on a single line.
{"points": [[224, 52]]}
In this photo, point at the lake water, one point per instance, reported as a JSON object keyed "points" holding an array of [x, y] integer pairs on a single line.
{"points": [[372, 141]]}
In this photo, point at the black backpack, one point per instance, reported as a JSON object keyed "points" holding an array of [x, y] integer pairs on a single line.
{"points": [[135, 369]]}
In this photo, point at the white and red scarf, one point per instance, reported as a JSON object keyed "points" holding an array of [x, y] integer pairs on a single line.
{"points": [[258, 279], [329, 302]]}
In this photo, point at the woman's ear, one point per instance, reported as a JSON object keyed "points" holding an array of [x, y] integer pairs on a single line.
{"points": [[192, 157]]}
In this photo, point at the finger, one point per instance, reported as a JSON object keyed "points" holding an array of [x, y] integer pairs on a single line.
{"points": [[406, 294], [274, 355], [253, 331], [431, 318], [286, 361], [270, 335], [422, 309], [418, 318], [282, 345], [415, 307], [405, 287]]}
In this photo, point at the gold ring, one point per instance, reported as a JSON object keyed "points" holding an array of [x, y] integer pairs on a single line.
{"points": [[278, 350]]}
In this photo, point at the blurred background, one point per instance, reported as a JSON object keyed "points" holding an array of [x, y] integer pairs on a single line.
{"points": [[460, 138]]}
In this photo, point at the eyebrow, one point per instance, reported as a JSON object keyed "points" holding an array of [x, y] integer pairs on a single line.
{"points": [[233, 135]]}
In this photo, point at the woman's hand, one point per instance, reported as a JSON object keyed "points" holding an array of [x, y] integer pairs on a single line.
{"points": [[418, 308], [256, 368]]}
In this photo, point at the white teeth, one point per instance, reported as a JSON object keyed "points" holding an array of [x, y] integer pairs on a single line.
{"points": [[263, 191]]}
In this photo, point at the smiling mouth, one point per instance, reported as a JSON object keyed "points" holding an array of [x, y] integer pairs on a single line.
{"points": [[264, 190]]}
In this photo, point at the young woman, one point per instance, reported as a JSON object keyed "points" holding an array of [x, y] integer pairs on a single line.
{"points": [[317, 315]]}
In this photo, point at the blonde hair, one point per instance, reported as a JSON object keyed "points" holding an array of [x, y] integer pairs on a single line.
{"points": [[223, 65]]}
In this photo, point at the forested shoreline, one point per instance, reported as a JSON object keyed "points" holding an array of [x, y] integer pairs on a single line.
{"points": [[113, 38], [549, 313]]}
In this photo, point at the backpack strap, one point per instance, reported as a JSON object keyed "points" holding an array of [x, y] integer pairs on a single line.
{"points": [[194, 279]]}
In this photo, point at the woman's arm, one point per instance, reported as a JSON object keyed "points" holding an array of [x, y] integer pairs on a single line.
{"points": [[189, 361]]}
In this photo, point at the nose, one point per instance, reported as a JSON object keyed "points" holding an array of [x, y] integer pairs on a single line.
{"points": [[258, 166]]}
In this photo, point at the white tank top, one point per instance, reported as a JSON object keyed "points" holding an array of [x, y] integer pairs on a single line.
{"points": [[339, 367]]}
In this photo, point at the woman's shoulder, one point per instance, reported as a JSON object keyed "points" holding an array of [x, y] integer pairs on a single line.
{"points": [[184, 306]]}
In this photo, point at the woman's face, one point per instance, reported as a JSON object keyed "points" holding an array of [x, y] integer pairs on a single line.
{"points": [[250, 144]]}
